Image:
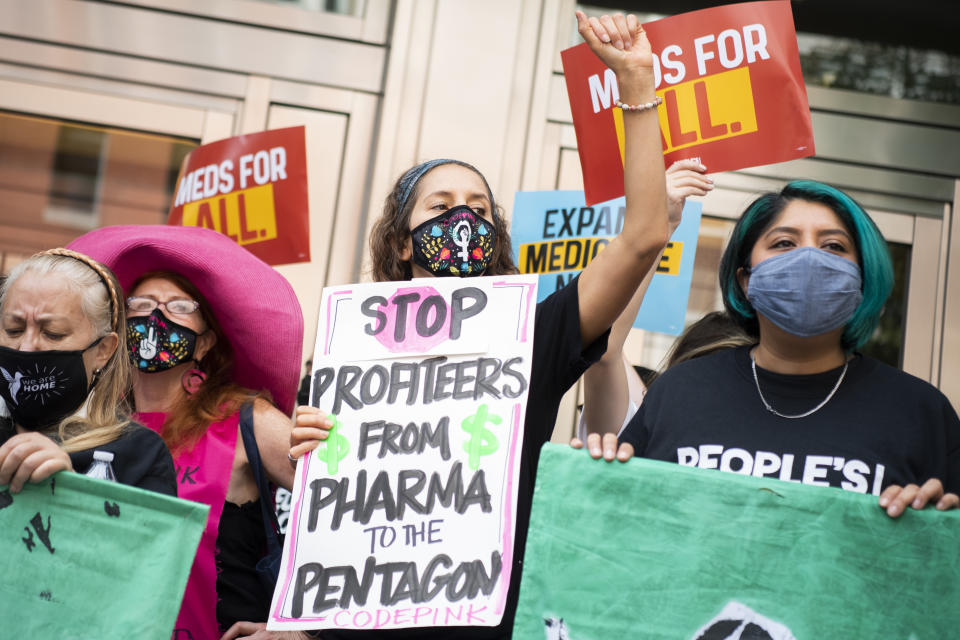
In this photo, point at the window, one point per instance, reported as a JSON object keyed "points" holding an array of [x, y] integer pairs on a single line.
{"points": [[345, 7], [75, 177], [60, 179], [878, 68]]}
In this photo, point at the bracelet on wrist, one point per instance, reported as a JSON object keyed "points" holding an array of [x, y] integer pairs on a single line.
{"points": [[653, 104]]}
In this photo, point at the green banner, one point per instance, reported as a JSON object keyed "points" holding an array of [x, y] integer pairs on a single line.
{"points": [[654, 550], [84, 558]]}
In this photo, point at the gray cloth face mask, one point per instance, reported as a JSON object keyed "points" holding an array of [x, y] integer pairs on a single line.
{"points": [[807, 291]]}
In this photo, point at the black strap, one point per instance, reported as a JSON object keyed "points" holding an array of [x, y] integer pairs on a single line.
{"points": [[270, 522]]}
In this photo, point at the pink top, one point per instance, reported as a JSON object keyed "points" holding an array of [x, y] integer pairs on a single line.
{"points": [[203, 475]]}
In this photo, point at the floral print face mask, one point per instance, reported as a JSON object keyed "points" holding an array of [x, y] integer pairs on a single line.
{"points": [[458, 242]]}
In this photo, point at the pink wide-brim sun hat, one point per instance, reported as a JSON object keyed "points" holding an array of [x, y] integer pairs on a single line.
{"points": [[255, 306]]}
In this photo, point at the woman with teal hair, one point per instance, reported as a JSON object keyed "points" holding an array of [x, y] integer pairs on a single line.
{"points": [[806, 274], [873, 258]]}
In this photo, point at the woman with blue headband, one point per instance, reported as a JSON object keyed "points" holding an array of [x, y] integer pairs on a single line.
{"points": [[571, 325], [807, 274]]}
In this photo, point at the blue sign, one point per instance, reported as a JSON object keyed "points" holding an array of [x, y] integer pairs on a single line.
{"points": [[556, 235]]}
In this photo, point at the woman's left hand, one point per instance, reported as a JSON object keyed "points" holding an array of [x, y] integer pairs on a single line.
{"points": [[258, 631], [895, 498], [604, 446], [311, 426], [30, 457], [684, 178]]}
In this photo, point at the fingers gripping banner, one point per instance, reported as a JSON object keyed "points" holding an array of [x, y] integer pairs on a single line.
{"points": [[94, 559], [404, 516], [733, 94], [655, 550]]}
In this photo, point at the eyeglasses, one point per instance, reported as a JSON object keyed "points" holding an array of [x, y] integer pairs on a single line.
{"points": [[179, 307]]}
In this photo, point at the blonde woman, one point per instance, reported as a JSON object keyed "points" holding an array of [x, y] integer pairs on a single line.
{"points": [[65, 376]]}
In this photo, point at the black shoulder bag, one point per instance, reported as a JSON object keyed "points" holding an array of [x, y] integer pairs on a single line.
{"points": [[268, 568]]}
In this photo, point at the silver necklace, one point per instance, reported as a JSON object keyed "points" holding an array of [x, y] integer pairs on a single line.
{"points": [[753, 365]]}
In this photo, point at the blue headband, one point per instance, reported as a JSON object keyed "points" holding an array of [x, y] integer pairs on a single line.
{"points": [[410, 179]]}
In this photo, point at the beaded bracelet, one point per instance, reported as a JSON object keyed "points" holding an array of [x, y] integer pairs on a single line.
{"points": [[640, 107]]}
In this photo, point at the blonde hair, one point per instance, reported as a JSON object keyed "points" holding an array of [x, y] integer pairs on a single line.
{"points": [[107, 413]]}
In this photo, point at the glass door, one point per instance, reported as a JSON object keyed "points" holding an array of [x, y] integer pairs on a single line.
{"points": [[60, 179], [73, 160]]}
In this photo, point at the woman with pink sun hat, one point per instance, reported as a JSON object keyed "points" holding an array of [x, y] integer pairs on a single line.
{"points": [[215, 335]]}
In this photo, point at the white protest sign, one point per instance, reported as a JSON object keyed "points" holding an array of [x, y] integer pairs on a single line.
{"points": [[405, 515]]}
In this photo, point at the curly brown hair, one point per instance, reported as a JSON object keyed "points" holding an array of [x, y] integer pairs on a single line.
{"points": [[392, 228]]}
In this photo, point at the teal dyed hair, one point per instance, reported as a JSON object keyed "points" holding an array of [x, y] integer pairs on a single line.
{"points": [[874, 257]]}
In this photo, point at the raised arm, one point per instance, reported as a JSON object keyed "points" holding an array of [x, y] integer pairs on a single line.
{"points": [[606, 390], [606, 286], [272, 431]]}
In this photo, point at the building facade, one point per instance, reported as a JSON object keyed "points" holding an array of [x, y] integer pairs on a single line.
{"points": [[100, 101]]}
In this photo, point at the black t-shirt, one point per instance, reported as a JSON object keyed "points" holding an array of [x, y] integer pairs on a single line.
{"points": [[558, 362], [241, 542], [140, 458], [881, 427]]}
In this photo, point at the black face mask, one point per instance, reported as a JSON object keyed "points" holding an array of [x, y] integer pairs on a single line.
{"points": [[41, 388], [157, 343]]}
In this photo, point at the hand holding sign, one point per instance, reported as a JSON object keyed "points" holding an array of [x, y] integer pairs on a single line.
{"points": [[604, 445], [895, 498], [730, 81], [311, 427], [30, 457], [684, 178]]}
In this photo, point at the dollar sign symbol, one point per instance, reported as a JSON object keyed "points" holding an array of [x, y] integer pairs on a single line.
{"points": [[335, 448], [482, 441]]}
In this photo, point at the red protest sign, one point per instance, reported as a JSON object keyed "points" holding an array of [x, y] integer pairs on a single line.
{"points": [[733, 94], [252, 188]]}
